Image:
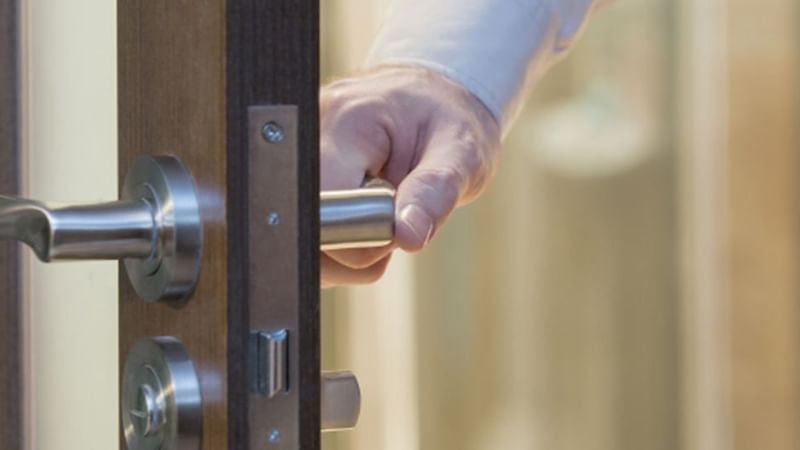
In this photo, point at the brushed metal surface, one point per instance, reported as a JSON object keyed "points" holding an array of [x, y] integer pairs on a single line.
{"points": [[155, 228], [274, 286], [161, 406], [357, 218], [340, 401]]}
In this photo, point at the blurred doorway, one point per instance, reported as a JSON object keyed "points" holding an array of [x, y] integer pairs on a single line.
{"points": [[628, 282]]}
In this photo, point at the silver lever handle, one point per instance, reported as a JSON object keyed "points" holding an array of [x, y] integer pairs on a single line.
{"points": [[124, 229], [155, 228], [128, 229], [357, 218]]}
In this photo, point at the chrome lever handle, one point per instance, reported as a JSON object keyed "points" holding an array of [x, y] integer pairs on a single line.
{"points": [[155, 228], [125, 229], [357, 218]]}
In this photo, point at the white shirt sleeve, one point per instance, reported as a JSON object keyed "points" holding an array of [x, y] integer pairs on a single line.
{"points": [[494, 48]]}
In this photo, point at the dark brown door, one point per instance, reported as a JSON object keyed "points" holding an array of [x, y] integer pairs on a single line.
{"points": [[11, 398], [193, 76]]}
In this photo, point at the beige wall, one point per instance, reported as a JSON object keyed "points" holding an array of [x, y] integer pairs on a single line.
{"points": [[72, 125]]}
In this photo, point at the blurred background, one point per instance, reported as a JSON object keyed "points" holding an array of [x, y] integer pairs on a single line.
{"points": [[630, 279]]}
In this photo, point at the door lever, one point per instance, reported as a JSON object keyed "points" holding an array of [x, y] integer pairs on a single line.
{"points": [[155, 229], [357, 218]]}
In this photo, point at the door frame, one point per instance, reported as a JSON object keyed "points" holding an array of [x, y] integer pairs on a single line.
{"points": [[11, 355]]}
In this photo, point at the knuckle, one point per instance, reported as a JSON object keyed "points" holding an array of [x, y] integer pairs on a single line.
{"points": [[478, 160], [332, 97], [364, 119]]}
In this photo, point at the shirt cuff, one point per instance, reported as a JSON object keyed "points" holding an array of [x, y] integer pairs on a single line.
{"points": [[494, 48]]}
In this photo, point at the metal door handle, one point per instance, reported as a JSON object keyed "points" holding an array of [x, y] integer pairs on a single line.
{"points": [[122, 229], [357, 218], [155, 228], [354, 218]]}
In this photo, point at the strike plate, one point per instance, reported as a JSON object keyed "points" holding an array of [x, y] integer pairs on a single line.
{"points": [[274, 292]]}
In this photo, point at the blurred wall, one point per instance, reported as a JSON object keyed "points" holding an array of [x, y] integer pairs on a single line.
{"points": [[550, 306], [72, 138], [764, 200], [628, 282]]}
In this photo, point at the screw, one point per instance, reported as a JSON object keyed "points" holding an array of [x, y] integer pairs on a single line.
{"points": [[274, 437], [273, 132], [273, 218]]}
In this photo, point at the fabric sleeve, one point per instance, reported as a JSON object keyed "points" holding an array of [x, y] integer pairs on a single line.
{"points": [[494, 48]]}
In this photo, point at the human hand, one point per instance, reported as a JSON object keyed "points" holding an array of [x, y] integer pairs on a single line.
{"points": [[420, 131]]}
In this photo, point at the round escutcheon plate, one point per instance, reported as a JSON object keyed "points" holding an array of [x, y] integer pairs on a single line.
{"points": [[161, 403], [171, 271]]}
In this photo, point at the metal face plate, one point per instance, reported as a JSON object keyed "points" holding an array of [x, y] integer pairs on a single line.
{"points": [[274, 278], [161, 406]]}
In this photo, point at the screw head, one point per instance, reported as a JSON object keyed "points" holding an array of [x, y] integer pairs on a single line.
{"points": [[274, 437], [273, 132]]}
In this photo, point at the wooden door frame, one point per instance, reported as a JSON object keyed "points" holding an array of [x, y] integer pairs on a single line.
{"points": [[11, 394], [188, 72]]}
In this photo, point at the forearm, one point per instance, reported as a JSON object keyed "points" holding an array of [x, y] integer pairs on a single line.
{"points": [[495, 48]]}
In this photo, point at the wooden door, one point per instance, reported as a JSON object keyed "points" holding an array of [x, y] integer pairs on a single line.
{"points": [[189, 72]]}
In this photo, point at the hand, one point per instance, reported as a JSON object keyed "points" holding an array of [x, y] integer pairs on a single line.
{"points": [[420, 131]]}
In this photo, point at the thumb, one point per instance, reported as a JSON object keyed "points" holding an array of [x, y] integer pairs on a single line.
{"points": [[425, 198]]}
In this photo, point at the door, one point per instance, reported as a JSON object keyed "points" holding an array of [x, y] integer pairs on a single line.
{"points": [[190, 76], [217, 225]]}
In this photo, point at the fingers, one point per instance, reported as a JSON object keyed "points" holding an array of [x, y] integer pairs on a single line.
{"points": [[426, 135], [334, 274], [361, 258], [424, 201], [356, 138]]}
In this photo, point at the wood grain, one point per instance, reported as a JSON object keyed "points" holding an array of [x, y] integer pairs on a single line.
{"points": [[10, 333], [187, 73], [171, 101]]}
